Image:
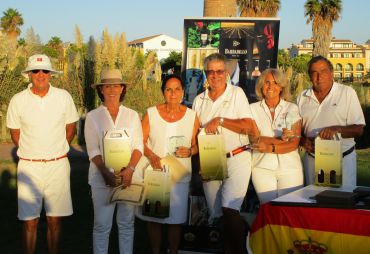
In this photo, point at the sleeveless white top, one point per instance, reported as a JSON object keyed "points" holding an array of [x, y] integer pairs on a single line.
{"points": [[165, 136]]}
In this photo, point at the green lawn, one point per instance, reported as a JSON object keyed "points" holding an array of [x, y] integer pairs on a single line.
{"points": [[78, 228], [363, 167]]}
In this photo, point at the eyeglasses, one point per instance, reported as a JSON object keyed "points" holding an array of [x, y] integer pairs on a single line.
{"points": [[37, 71], [213, 72]]}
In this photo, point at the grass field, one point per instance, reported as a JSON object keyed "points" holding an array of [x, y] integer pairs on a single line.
{"points": [[76, 237]]}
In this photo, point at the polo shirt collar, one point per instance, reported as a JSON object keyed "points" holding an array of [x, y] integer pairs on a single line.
{"points": [[281, 105], [225, 96], [309, 92], [50, 91]]}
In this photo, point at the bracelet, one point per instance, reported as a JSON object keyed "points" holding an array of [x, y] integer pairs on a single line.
{"points": [[273, 148], [221, 122], [131, 167]]}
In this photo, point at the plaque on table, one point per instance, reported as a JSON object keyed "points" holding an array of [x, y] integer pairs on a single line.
{"points": [[158, 187], [328, 162], [116, 149], [212, 156]]}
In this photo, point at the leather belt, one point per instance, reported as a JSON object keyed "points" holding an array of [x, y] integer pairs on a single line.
{"points": [[237, 151], [344, 154], [44, 160]]}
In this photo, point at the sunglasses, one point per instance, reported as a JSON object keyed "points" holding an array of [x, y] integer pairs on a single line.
{"points": [[212, 72], [43, 71]]}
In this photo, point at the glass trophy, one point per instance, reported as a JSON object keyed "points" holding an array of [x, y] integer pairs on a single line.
{"points": [[290, 119], [174, 142]]}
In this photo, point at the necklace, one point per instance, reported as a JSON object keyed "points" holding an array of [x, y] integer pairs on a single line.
{"points": [[172, 114], [272, 110]]}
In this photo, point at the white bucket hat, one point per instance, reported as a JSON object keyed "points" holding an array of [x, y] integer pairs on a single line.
{"points": [[110, 77], [39, 62]]}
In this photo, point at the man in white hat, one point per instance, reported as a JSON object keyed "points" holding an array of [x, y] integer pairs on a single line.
{"points": [[42, 122]]}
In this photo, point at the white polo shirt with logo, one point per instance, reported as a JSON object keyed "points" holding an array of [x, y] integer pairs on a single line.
{"points": [[42, 122], [232, 104], [340, 107], [274, 128]]}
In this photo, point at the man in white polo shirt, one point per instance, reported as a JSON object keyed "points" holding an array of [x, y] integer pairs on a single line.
{"points": [[328, 109], [225, 107], [42, 122]]}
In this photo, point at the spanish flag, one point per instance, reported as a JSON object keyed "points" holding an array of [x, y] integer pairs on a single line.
{"points": [[292, 230]]}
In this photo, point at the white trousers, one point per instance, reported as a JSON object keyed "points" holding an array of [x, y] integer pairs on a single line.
{"points": [[349, 169], [270, 184], [230, 192], [103, 217]]}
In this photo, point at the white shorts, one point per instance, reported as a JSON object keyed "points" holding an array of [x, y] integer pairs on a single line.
{"points": [[48, 183], [230, 192]]}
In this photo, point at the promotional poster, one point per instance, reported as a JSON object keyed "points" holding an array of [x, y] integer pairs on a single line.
{"points": [[250, 45]]}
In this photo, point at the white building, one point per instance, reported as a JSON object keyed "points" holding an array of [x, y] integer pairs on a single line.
{"points": [[161, 43]]}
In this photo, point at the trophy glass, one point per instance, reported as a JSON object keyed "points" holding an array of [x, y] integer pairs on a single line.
{"points": [[174, 142]]}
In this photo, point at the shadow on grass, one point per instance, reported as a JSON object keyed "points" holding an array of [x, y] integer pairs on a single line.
{"points": [[77, 229]]}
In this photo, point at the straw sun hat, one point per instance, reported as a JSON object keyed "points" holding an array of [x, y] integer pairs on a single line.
{"points": [[110, 77]]}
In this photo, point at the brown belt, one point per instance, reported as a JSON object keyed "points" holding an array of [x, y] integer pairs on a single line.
{"points": [[344, 154], [44, 160], [237, 151]]}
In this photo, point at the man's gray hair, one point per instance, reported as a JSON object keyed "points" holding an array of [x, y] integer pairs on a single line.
{"points": [[214, 57]]}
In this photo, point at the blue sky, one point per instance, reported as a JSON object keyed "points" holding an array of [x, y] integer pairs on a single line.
{"points": [[149, 17]]}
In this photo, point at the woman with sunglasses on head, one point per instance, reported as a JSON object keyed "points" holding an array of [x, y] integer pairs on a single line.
{"points": [[277, 167], [170, 128], [111, 115], [225, 107]]}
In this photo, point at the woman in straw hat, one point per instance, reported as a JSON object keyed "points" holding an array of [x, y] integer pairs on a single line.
{"points": [[170, 129], [111, 115]]}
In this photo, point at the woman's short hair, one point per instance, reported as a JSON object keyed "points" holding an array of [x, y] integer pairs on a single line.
{"points": [[101, 96], [279, 78], [214, 57], [168, 77]]}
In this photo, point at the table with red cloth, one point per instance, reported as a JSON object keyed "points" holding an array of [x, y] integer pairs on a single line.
{"points": [[303, 229]]}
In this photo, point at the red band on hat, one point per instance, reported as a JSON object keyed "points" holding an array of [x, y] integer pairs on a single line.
{"points": [[39, 59]]}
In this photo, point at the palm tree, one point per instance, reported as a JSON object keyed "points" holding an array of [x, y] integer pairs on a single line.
{"points": [[258, 8], [219, 8], [10, 23], [322, 14]]}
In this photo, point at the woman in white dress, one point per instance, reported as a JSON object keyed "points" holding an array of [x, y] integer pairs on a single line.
{"points": [[109, 116], [163, 126], [277, 167]]}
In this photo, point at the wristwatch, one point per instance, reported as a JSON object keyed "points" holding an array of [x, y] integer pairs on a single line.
{"points": [[221, 121]]}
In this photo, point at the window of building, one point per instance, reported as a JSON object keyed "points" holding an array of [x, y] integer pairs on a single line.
{"points": [[338, 75], [348, 67], [336, 55], [347, 55], [358, 55], [163, 43], [338, 67], [359, 67]]}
